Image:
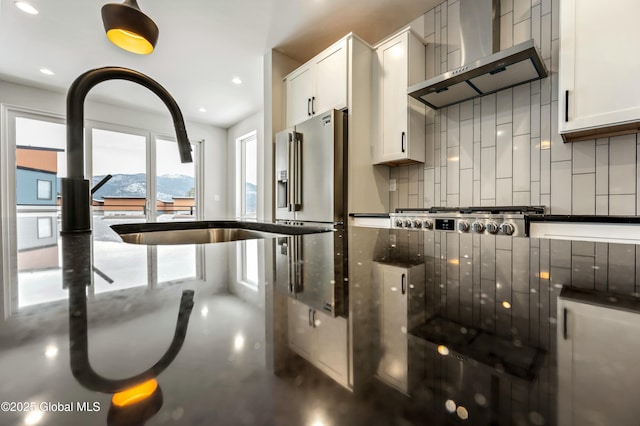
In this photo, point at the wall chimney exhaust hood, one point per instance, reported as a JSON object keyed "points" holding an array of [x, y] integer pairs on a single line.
{"points": [[484, 69]]}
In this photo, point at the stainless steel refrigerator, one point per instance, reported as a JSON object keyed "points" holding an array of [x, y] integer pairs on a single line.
{"points": [[310, 172], [311, 169]]}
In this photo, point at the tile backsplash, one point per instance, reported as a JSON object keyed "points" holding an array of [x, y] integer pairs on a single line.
{"points": [[504, 148]]}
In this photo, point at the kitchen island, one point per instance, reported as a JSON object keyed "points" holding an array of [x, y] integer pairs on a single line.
{"points": [[425, 328]]}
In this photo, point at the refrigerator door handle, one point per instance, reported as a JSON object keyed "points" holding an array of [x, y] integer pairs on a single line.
{"points": [[298, 177], [291, 173]]}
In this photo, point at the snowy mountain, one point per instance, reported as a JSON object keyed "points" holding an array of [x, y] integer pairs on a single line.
{"points": [[135, 185]]}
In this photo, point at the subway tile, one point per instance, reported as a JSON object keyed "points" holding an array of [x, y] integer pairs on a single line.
{"points": [[535, 194], [430, 55], [560, 252], [504, 192], [521, 10], [504, 151], [503, 275], [546, 6], [476, 192], [622, 205], [506, 6], [438, 32], [506, 31], [402, 172], [536, 18], [584, 194], [453, 28], [414, 177], [521, 198], [437, 170], [430, 145], [602, 169], [466, 110], [555, 17], [584, 157], [545, 126], [443, 52], [453, 170], [487, 201], [403, 192], [521, 163], [443, 183], [521, 255], [412, 202], [488, 173], [545, 92], [535, 159], [560, 151], [602, 204], [602, 141], [421, 193], [535, 87], [522, 31], [444, 120], [622, 165], [504, 106], [545, 171], [545, 45], [561, 187], [545, 200], [466, 187], [488, 120], [466, 144], [429, 22], [476, 121], [555, 61], [522, 109], [444, 18], [393, 200], [476, 161], [436, 195], [453, 126], [453, 200], [488, 257], [443, 148], [535, 114]]}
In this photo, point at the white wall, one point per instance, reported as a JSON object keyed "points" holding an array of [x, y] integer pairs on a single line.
{"points": [[252, 123]]}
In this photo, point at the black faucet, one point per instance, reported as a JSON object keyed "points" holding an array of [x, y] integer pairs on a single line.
{"points": [[76, 201]]}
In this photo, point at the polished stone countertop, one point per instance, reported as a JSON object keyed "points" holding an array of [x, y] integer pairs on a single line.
{"points": [[358, 326]]}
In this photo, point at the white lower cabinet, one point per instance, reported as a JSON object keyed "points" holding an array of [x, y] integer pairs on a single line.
{"points": [[320, 339]]}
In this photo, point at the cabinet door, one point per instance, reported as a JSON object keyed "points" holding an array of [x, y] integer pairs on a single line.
{"points": [[598, 73], [301, 331], [392, 83], [332, 354], [393, 282], [299, 89], [597, 358], [330, 74]]}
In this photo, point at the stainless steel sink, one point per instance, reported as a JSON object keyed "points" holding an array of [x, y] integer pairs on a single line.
{"points": [[204, 232]]}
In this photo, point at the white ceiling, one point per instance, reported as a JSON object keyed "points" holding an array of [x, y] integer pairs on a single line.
{"points": [[203, 44]]}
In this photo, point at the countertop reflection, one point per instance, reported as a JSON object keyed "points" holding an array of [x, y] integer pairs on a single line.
{"points": [[359, 326]]}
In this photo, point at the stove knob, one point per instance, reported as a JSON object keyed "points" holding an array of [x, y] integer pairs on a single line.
{"points": [[427, 224], [507, 228], [399, 223], [478, 227], [463, 226], [416, 223], [492, 227]]}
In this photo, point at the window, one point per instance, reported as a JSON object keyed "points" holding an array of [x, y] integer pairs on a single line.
{"points": [[45, 190], [45, 227], [246, 205], [247, 166]]}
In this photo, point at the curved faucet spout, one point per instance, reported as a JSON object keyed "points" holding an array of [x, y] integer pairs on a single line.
{"points": [[75, 193]]}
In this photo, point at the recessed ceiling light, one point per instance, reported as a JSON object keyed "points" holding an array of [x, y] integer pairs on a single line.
{"points": [[203, 110], [26, 7], [236, 80], [46, 71]]}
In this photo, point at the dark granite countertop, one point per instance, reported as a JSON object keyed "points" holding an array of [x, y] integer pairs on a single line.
{"points": [[363, 326]]}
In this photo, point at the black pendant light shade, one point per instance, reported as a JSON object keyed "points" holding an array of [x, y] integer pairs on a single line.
{"points": [[128, 28]]}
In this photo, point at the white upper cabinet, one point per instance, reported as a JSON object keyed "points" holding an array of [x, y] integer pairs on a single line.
{"points": [[599, 93], [400, 130], [318, 85]]}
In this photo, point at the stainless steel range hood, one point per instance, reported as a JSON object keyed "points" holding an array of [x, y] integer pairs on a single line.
{"points": [[478, 76]]}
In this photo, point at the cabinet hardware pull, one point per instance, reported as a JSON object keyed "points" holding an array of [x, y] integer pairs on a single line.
{"points": [[313, 318], [403, 140], [313, 105], [566, 106], [565, 331], [404, 284], [310, 318], [309, 107]]}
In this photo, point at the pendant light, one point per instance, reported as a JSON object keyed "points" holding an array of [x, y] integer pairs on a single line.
{"points": [[128, 28]]}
